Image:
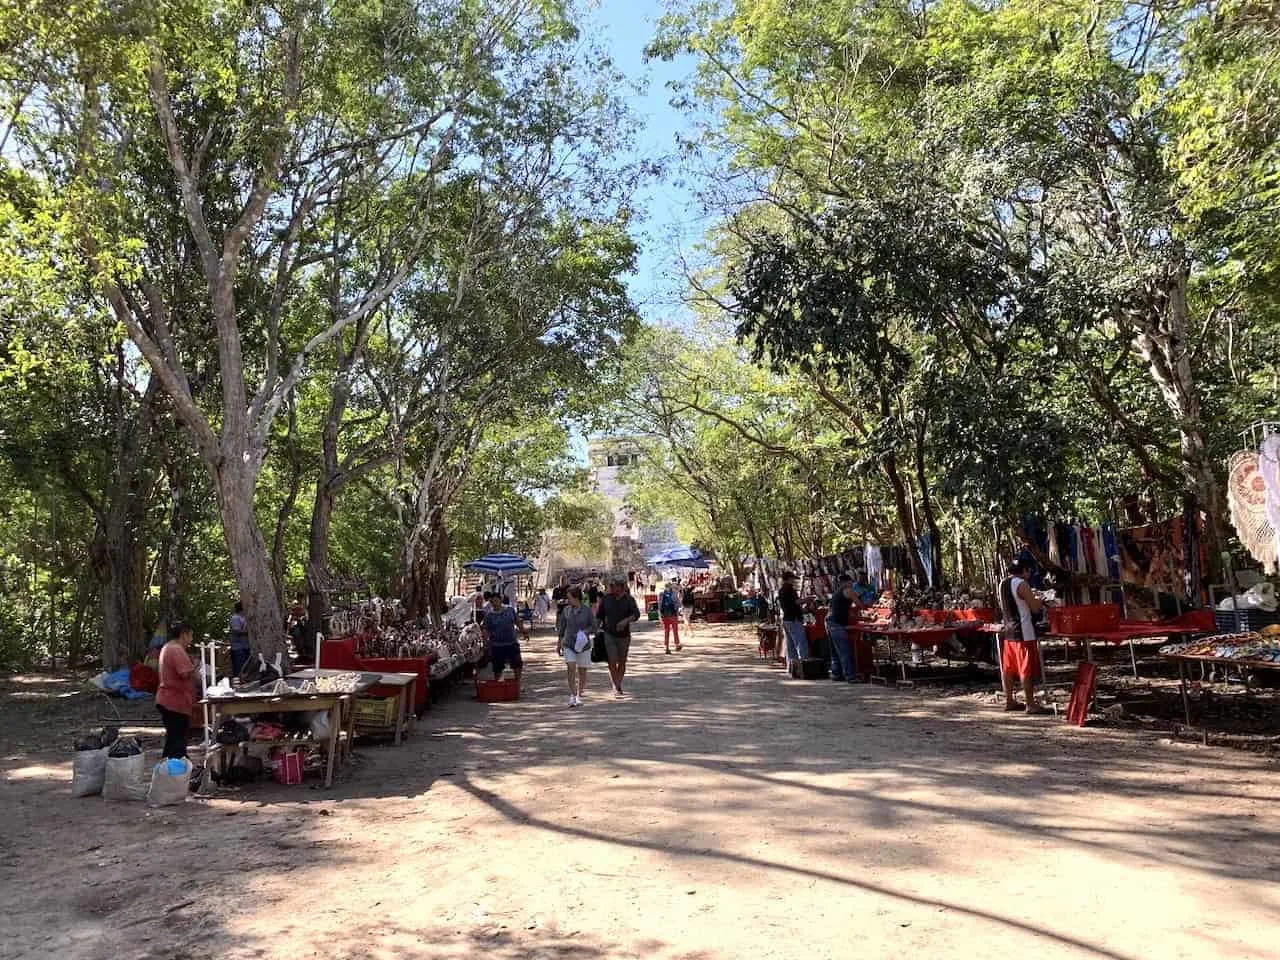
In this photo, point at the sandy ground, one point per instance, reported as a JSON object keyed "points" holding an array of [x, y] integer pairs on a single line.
{"points": [[719, 812]]}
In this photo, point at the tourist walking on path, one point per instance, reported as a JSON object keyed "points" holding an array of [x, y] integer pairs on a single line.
{"points": [[176, 697], [669, 614], [504, 646], [577, 624], [1020, 657], [838, 615], [686, 598], [238, 634], [792, 619], [617, 611], [541, 604]]}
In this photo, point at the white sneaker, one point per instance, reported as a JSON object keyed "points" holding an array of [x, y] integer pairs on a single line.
{"points": [[573, 701], [577, 699]]}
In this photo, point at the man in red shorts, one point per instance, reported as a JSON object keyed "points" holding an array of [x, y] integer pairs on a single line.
{"points": [[1020, 657]]}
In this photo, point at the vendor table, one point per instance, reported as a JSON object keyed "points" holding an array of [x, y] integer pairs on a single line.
{"points": [[1127, 633], [922, 637], [404, 684], [1183, 659], [248, 705]]}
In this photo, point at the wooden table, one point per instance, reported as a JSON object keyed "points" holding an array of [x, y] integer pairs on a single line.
{"points": [[406, 685], [248, 705], [1183, 659]]}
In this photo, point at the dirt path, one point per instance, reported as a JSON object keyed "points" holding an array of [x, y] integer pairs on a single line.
{"points": [[718, 813]]}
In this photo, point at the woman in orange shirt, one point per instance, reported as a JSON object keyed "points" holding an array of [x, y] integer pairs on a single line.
{"points": [[176, 697]]}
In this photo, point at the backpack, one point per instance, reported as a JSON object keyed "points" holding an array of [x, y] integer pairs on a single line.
{"points": [[667, 604]]}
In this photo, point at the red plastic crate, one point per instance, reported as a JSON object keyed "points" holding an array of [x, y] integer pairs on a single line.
{"points": [[978, 615], [497, 691], [1090, 618]]}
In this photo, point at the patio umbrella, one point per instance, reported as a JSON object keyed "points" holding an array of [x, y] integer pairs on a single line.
{"points": [[500, 564], [680, 557]]}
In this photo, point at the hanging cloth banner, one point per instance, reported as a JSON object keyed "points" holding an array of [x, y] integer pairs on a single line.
{"points": [[1155, 556]]}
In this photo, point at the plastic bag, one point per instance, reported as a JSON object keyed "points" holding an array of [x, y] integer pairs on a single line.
{"points": [[319, 723], [170, 783], [127, 778], [88, 771]]}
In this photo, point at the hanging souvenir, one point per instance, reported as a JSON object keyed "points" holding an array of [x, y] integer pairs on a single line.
{"points": [[1269, 467], [1247, 500]]}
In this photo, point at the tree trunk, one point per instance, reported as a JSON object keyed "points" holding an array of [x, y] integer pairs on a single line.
{"points": [[120, 563], [235, 484], [279, 540], [926, 506], [1164, 344], [318, 553], [890, 466], [173, 553]]}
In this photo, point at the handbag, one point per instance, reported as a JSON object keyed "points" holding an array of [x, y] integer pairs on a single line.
{"points": [[599, 652]]}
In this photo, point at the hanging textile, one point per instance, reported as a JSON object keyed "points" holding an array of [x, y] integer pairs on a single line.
{"points": [[1111, 546], [924, 548], [1192, 570], [875, 564], [1054, 552], [1153, 556], [1247, 500]]}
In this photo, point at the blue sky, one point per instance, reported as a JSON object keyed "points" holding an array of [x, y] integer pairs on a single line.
{"points": [[671, 213]]}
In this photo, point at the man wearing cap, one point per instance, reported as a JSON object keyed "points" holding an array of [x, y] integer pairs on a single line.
{"points": [[617, 612], [792, 619]]}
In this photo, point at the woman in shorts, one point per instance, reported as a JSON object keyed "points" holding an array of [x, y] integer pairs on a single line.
{"points": [[577, 625]]}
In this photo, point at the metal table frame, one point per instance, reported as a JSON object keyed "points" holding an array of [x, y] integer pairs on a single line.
{"points": [[1182, 662]]}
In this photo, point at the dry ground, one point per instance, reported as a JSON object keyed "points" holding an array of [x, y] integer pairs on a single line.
{"points": [[720, 812]]}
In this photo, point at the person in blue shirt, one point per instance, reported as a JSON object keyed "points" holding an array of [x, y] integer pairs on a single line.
{"points": [[238, 634], [500, 629]]}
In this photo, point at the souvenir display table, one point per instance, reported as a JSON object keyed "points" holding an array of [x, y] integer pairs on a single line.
{"points": [[896, 642], [398, 686], [1126, 632], [337, 705], [1254, 651]]}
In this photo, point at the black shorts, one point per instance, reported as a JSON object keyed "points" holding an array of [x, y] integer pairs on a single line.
{"points": [[506, 655]]}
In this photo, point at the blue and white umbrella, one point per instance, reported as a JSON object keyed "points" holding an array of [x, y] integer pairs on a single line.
{"points": [[500, 564], [679, 557]]}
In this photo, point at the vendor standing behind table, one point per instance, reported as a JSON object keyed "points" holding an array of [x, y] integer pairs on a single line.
{"points": [[865, 593], [504, 646], [792, 619], [176, 696], [839, 613], [238, 634], [1020, 656]]}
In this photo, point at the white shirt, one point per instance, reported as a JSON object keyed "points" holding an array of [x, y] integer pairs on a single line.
{"points": [[1024, 621]]}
